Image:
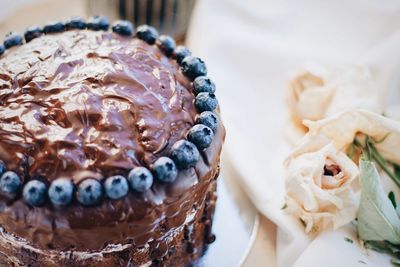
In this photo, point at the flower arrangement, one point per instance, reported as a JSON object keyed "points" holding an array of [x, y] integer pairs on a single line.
{"points": [[346, 166]]}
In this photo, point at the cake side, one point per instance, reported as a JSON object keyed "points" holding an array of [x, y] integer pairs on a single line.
{"points": [[179, 246]]}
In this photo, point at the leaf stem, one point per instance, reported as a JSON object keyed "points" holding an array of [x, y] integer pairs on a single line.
{"points": [[385, 168], [370, 152]]}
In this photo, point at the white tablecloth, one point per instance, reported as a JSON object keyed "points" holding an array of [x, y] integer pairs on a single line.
{"points": [[251, 48]]}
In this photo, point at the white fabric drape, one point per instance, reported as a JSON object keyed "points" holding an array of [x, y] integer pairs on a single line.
{"points": [[251, 49]]}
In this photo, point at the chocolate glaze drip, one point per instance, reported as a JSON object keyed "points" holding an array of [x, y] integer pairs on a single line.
{"points": [[92, 104]]}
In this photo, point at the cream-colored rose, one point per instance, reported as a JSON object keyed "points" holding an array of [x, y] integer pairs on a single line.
{"points": [[343, 128], [319, 187], [323, 91], [308, 97]]}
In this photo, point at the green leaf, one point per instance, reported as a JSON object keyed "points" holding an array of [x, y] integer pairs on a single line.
{"points": [[351, 151], [377, 218], [385, 247], [349, 240], [392, 199], [395, 262], [397, 170], [384, 164], [382, 247], [369, 152]]}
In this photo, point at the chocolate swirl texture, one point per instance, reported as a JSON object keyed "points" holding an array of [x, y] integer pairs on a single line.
{"points": [[83, 104], [86, 101]]}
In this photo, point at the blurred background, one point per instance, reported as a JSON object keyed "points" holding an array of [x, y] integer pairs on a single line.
{"points": [[169, 16]]}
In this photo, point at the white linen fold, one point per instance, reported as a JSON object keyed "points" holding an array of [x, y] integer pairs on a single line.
{"points": [[252, 48]]}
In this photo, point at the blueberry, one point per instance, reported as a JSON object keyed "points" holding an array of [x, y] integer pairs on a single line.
{"points": [[2, 168], [2, 49], [116, 187], [123, 27], [98, 23], [147, 33], [32, 33], [10, 183], [193, 67], [34, 192], [166, 44], [206, 102], [77, 23], [12, 39], [61, 191], [203, 84], [181, 52], [89, 192], [201, 136], [209, 119], [53, 27], [184, 154], [165, 170], [140, 179]]}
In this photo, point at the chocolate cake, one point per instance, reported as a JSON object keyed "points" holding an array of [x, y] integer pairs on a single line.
{"points": [[109, 147]]}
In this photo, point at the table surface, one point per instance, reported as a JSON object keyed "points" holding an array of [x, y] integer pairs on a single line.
{"points": [[263, 249]]}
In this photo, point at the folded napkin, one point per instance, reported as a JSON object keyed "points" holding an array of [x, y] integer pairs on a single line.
{"points": [[252, 49]]}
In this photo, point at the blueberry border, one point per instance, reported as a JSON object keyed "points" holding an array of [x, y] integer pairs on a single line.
{"points": [[184, 154]]}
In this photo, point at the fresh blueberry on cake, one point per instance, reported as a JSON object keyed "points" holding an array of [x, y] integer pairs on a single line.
{"points": [[193, 67], [147, 33], [209, 119], [34, 193], [203, 84], [184, 154], [9, 184], [181, 52], [165, 170], [123, 27], [32, 33], [75, 23], [116, 187], [166, 44], [89, 192], [140, 179], [98, 23], [12, 39], [206, 102], [61, 191], [110, 143], [54, 27], [200, 135]]}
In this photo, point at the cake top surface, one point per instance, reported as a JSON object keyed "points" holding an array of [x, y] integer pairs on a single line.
{"points": [[89, 104], [82, 110]]}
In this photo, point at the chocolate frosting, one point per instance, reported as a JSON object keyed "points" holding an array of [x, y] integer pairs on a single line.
{"points": [[85, 104]]}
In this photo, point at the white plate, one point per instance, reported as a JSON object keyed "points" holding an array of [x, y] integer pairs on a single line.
{"points": [[236, 223]]}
